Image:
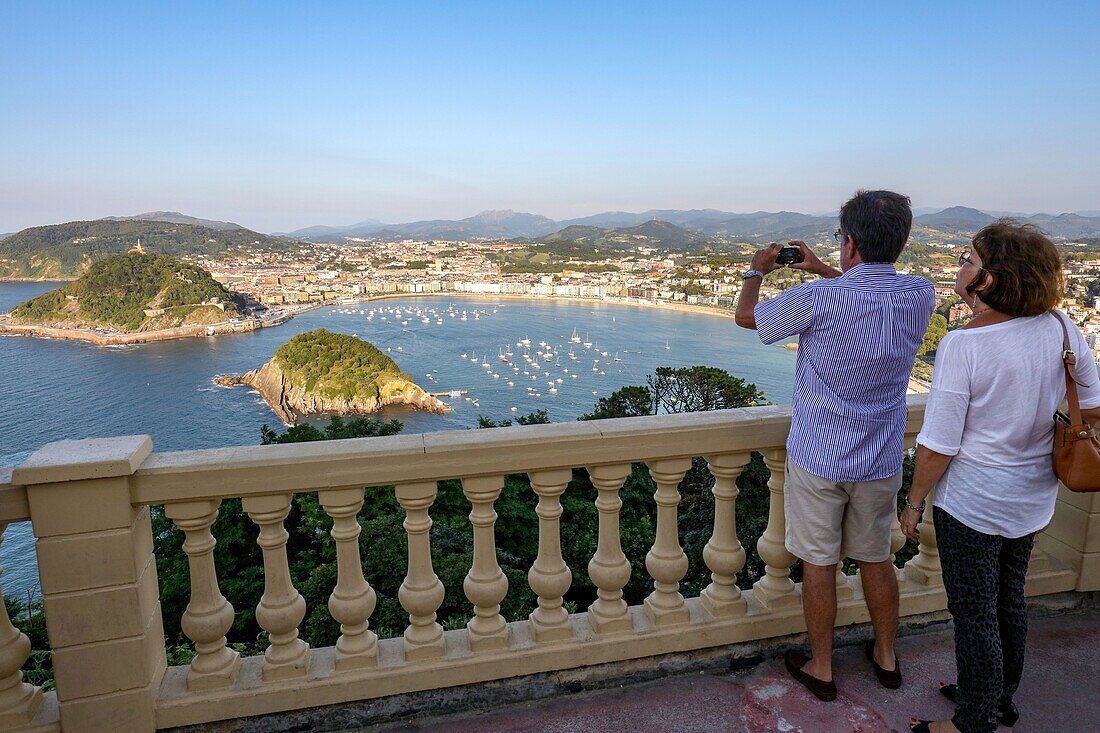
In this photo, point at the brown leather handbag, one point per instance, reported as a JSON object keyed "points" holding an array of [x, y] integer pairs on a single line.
{"points": [[1076, 449]]}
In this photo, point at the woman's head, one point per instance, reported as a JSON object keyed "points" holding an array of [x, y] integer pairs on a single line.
{"points": [[1013, 268]]}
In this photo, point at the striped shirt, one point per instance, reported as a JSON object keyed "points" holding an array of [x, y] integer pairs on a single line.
{"points": [[858, 337]]}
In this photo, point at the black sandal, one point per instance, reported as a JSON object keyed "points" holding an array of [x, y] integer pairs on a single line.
{"points": [[1007, 715]]}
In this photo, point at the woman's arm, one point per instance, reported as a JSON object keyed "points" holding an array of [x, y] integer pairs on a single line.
{"points": [[929, 469]]}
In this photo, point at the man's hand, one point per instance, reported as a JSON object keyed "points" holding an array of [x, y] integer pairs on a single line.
{"points": [[811, 263], [764, 260]]}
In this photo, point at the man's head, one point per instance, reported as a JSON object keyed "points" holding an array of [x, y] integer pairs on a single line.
{"points": [[874, 226]]}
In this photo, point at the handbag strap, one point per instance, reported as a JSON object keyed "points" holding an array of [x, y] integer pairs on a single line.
{"points": [[1069, 362]]}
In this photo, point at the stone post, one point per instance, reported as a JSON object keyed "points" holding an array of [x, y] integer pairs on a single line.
{"points": [[281, 607], [609, 568], [19, 700], [352, 601], [549, 576], [421, 592], [99, 582], [775, 589], [723, 553], [666, 562], [485, 585], [209, 616]]}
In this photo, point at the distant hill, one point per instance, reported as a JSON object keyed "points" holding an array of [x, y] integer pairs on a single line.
{"points": [[504, 224], [314, 232], [653, 233], [134, 292], [174, 217], [956, 219], [66, 250], [1070, 226], [962, 219]]}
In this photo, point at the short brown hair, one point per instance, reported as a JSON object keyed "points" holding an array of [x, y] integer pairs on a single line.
{"points": [[1026, 269]]}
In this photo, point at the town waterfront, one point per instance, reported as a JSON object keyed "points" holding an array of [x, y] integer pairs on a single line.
{"points": [[54, 390]]}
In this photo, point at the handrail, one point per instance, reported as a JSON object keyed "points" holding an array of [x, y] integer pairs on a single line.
{"points": [[305, 467], [13, 500]]}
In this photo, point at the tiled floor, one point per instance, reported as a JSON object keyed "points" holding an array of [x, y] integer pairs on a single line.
{"points": [[1060, 694]]}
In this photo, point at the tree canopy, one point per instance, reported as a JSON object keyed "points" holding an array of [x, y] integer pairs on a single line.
{"points": [[115, 291], [337, 365]]}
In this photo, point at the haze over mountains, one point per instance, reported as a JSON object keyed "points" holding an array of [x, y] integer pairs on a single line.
{"points": [[508, 224]]}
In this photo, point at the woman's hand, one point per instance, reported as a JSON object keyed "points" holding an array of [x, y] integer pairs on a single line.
{"points": [[909, 519]]}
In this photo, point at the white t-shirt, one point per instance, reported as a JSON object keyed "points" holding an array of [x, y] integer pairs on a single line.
{"points": [[994, 393]]}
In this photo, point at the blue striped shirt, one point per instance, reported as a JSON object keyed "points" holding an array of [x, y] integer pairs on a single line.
{"points": [[858, 337]]}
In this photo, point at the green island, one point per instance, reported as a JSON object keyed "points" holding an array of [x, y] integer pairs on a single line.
{"points": [[133, 292], [325, 372]]}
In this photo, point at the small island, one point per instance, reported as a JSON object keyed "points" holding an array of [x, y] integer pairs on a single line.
{"points": [[325, 372], [129, 298]]}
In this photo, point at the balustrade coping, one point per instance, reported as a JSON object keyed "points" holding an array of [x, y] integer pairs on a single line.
{"points": [[13, 499], [316, 466]]}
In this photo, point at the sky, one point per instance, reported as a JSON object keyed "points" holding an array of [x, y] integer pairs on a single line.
{"points": [[280, 116]]}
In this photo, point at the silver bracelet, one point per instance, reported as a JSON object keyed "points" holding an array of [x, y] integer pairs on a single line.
{"points": [[914, 508]]}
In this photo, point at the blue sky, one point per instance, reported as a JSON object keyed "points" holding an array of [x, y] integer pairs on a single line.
{"points": [[280, 116]]}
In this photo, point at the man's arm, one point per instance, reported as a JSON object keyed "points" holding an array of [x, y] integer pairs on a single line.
{"points": [[763, 262], [746, 302]]}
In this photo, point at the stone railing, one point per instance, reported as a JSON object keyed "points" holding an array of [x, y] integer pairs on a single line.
{"points": [[89, 501]]}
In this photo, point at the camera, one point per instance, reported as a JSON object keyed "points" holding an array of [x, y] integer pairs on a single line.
{"points": [[789, 256]]}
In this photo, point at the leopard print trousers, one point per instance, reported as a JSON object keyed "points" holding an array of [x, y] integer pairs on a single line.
{"points": [[984, 578]]}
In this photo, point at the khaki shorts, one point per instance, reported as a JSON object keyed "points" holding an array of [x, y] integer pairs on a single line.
{"points": [[827, 520]]}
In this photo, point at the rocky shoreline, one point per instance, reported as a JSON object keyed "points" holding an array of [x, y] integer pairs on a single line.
{"points": [[290, 400]]}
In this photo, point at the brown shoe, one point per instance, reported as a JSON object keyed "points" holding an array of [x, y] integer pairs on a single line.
{"points": [[822, 690], [888, 678]]}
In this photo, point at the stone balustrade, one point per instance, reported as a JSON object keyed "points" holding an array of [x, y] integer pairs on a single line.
{"points": [[88, 502]]}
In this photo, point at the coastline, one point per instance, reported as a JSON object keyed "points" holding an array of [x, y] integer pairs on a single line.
{"points": [[225, 328], [97, 338]]}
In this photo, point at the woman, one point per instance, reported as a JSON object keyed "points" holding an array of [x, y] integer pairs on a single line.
{"points": [[986, 449]]}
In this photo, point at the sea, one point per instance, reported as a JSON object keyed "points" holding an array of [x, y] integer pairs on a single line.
{"points": [[56, 390]]}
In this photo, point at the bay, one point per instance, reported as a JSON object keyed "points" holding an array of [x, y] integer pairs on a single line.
{"points": [[55, 390]]}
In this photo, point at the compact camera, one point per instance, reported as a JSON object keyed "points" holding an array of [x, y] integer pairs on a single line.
{"points": [[789, 256]]}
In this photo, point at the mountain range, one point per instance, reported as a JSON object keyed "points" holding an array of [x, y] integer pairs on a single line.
{"points": [[751, 227], [174, 217]]}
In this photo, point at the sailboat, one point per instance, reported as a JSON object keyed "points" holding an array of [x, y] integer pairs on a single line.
{"points": [[586, 344], [574, 339], [666, 345]]}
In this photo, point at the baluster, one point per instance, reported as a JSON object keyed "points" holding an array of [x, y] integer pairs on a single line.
{"points": [[775, 589], [666, 562], [281, 607], [609, 569], [897, 541], [924, 569], [19, 700], [844, 590], [421, 592], [352, 600], [485, 585], [724, 554], [209, 616], [549, 576], [897, 537]]}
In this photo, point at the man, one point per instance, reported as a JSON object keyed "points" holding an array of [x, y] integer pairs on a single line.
{"points": [[859, 329]]}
